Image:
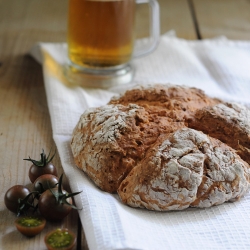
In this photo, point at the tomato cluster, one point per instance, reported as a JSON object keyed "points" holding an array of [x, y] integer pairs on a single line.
{"points": [[48, 200]]}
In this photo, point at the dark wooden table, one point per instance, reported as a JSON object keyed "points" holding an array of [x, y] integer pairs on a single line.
{"points": [[25, 127]]}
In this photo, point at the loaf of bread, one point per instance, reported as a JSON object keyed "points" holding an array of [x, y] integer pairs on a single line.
{"points": [[120, 146]]}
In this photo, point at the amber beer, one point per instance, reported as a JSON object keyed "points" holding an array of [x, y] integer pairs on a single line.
{"points": [[101, 32]]}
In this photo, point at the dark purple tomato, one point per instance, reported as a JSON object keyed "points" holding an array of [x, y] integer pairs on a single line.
{"points": [[50, 208], [42, 166], [13, 195], [30, 225], [44, 182], [36, 171], [62, 239]]}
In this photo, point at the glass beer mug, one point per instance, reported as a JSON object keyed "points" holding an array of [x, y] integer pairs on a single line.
{"points": [[101, 38]]}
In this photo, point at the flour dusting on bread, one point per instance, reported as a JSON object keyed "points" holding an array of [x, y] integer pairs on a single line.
{"points": [[166, 147]]}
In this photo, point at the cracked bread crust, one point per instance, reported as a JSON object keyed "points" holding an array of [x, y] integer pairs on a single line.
{"points": [[228, 122], [109, 141], [186, 169], [115, 146], [177, 102]]}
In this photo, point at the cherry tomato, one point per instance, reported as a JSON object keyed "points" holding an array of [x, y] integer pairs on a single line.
{"points": [[42, 166], [30, 225], [50, 208], [62, 239], [13, 195], [44, 182], [36, 171]]}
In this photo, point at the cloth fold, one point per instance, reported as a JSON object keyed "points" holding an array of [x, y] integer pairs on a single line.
{"points": [[218, 66]]}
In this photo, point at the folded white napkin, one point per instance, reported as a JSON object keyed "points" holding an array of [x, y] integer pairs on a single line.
{"points": [[218, 66]]}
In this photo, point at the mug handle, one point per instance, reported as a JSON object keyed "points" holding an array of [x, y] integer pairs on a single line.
{"points": [[154, 29]]}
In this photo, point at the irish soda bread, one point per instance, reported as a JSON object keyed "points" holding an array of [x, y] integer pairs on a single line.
{"points": [[140, 146]]}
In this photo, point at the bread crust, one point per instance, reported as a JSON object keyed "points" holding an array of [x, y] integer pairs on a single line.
{"points": [[110, 140], [228, 122], [186, 169], [176, 102], [132, 122], [115, 146]]}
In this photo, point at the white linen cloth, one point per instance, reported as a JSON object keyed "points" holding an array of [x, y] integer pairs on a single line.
{"points": [[218, 66]]}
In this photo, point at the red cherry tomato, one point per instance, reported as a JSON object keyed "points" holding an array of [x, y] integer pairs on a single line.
{"points": [[30, 225]]}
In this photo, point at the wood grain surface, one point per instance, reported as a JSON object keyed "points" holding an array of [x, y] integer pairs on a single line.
{"points": [[228, 18], [25, 126]]}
